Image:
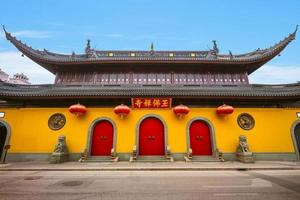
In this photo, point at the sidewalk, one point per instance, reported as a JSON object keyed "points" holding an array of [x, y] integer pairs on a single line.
{"points": [[148, 166]]}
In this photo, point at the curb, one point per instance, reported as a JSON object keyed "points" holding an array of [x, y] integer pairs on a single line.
{"points": [[151, 169]]}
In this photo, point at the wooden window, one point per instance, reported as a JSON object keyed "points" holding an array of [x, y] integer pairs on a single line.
{"points": [[151, 78], [112, 78], [160, 78], [168, 78], [135, 79], [190, 79], [198, 78], [128, 78], [182, 78], [98, 78], [143, 78], [104, 78], [176, 78], [205, 79]]}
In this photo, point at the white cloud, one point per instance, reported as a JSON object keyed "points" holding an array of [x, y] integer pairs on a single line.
{"points": [[12, 62], [272, 74], [114, 35], [34, 34]]}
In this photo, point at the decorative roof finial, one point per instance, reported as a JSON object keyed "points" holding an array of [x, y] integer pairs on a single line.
{"points": [[296, 29], [4, 29], [7, 34], [88, 46], [152, 47], [215, 47], [230, 54], [293, 35]]}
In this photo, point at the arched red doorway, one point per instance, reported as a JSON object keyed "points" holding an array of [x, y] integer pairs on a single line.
{"points": [[297, 139], [200, 138], [102, 138], [151, 137], [3, 135]]}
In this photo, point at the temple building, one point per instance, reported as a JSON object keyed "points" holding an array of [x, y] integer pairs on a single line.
{"points": [[150, 105], [18, 78], [3, 76]]}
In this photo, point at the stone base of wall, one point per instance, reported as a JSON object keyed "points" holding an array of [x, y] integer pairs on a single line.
{"points": [[284, 156], [27, 157]]}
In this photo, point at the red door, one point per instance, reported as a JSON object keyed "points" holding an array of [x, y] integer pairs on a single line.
{"points": [[200, 140], [151, 137], [103, 136]]}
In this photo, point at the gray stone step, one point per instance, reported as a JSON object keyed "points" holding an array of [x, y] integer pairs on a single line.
{"points": [[152, 159]]}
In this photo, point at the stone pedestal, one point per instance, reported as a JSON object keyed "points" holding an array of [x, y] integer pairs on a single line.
{"points": [[60, 153], [243, 151], [58, 158], [245, 157]]}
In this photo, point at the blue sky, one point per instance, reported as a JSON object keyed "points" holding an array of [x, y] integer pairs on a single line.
{"points": [[239, 26]]}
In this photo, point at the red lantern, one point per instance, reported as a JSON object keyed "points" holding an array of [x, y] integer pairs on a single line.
{"points": [[181, 110], [225, 110], [122, 110], [77, 109]]}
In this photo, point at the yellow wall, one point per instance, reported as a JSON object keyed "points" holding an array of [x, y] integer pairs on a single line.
{"points": [[30, 132]]}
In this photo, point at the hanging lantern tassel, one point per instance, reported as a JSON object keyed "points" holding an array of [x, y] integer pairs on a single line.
{"points": [[225, 110], [181, 110], [122, 110], [77, 109]]}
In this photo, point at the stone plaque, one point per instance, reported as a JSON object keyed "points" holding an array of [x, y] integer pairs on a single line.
{"points": [[56, 121], [246, 121]]}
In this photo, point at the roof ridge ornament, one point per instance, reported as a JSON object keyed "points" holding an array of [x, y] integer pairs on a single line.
{"points": [[7, 34], [215, 47], [3, 27], [90, 53], [296, 29], [293, 35], [230, 55], [88, 46], [152, 49]]}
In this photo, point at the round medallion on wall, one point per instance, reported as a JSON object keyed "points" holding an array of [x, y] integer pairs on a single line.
{"points": [[246, 121], [56, 121]]}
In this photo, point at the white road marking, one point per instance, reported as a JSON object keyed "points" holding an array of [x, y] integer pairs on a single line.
{"points": [[255, 183], [235, 194]]}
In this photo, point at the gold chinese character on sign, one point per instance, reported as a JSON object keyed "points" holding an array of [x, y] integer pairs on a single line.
{"points": [[156, 103], [147, 103], [138, 103], [165, 103]]}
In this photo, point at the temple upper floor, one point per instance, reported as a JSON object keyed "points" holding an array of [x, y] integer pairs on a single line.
{"points": [[92, 78]]}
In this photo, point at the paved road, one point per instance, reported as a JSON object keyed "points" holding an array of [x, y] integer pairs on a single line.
{"points": [[144, 185]]}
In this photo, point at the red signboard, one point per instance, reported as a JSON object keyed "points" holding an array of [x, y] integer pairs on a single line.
{"points": [[151, 102]]}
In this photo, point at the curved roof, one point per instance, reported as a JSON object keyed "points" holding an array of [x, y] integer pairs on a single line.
{"points": [[55, 62], [285, 91]]}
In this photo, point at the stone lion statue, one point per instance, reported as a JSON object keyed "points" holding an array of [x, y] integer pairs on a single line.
{"points": [[60, 153], [243, 145], [243, 152]]}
